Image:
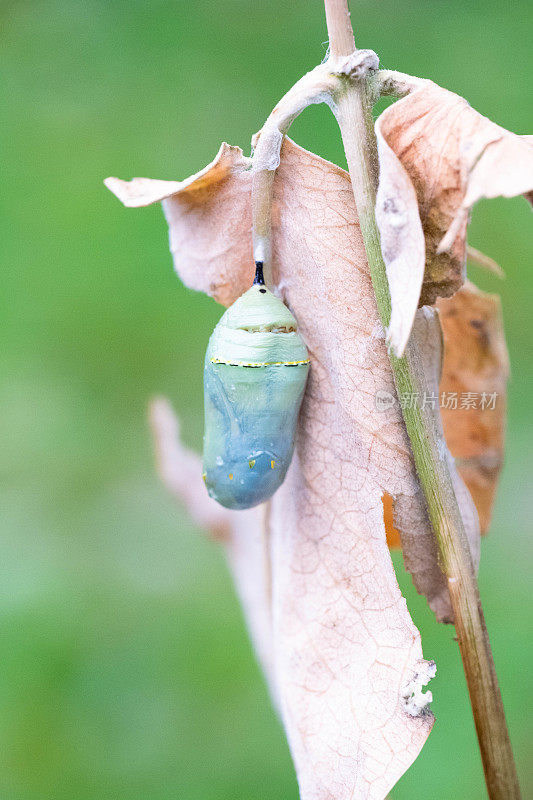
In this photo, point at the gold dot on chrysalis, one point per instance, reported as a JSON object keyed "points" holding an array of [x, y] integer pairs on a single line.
{"points": [[231, 476], [272, 464], [251, 463], [204, 476]]}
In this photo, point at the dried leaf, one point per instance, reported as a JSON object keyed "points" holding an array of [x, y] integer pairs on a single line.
{"points": [[437, 158], [472, 397], [204, 212], [475, 371], [420, 550], [345, 657], [392, 533], [243, 534]]}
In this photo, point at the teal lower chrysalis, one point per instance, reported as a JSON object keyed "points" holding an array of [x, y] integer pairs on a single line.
{"points": [[255, 372]]}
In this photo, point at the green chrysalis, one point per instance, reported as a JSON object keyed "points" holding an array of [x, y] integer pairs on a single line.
{"points": [[255, 373]]}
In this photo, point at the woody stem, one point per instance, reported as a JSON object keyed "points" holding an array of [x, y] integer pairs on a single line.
{"points": [[354, 115]]}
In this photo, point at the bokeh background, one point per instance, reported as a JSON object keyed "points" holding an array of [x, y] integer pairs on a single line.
{"points": [[125, 669]]}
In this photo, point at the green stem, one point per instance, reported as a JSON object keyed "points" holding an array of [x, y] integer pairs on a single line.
{"points": [[354, 114]]}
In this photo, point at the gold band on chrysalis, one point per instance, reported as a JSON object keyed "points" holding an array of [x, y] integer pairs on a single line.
{"points": [[259, 363]]}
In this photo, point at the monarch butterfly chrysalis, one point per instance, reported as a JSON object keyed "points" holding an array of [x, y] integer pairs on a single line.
{"points": [[255, 372]]}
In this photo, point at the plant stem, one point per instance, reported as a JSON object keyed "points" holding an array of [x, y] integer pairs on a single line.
{"points": [[354, 115], [314, 87]]}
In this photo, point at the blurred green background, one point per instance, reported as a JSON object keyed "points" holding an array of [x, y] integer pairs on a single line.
{"points": [[125, 669]]}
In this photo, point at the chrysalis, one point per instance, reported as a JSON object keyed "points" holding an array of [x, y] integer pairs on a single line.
{"points": [[255, 372]]}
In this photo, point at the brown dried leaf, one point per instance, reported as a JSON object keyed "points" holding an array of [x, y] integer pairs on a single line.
{"points": [[204, 213], [473, 391], [437, 158], [419, 546], [475, 362], [392, 533], [345, 658], [242, 534]]}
